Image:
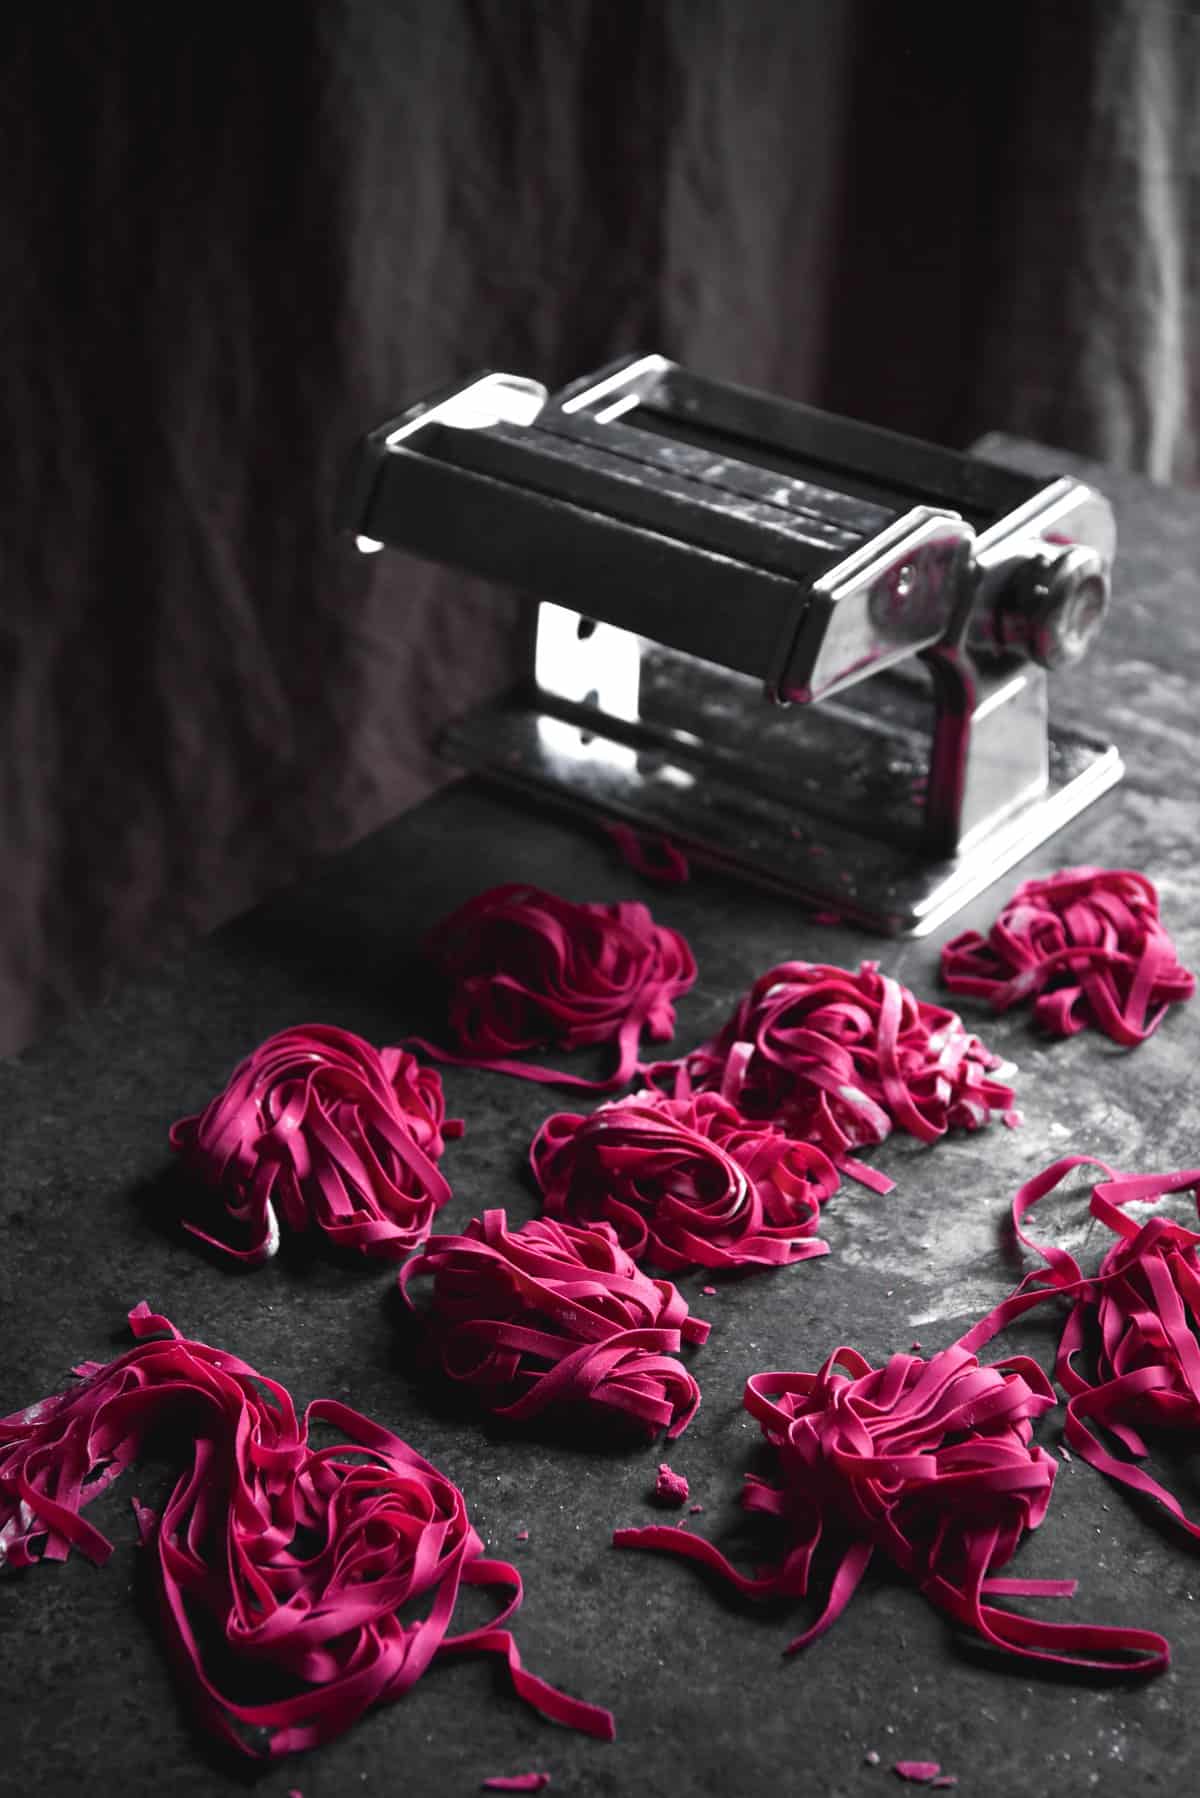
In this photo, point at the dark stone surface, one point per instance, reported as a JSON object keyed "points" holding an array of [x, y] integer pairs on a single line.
{"points": [[704, 1702]]}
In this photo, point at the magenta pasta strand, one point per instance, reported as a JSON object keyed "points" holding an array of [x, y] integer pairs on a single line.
{"points": [[1087, 946], [840, 1059], [686, 1182], [296, 1557], [654, 857], [1129, 1355], [528, 970], [318, 1129], [930, 1463], [553, 1318]]}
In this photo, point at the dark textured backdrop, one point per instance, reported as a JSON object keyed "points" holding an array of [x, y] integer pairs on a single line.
{"points": [[231, 239]]}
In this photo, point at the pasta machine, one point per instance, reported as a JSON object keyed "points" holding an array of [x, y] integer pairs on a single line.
{"points": [[803, 648]]}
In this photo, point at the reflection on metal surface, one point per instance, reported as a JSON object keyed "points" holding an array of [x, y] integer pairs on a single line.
{"points": [[493, 399], [587, 663], [591, 666], [631, 380], [895, 596]]}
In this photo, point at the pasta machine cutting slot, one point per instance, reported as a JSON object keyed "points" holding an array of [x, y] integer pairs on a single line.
{"points": [[803, 648]]}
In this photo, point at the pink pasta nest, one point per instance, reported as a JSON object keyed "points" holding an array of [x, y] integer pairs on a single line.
{"points": [[1129, 1357], [554, 1318], [932, 1464], [1087, 946], [272, 1553], [528, 969], [686, 1182], [318, 1129], [840, 1059]]}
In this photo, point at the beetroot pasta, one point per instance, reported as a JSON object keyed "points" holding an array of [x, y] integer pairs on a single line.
{"points": [[840, 1059], [319, 1129], [1087, 946], [655, 858], [686, 1182], [528, 970], [929, 1463], [555, 1318], [1129, 1356], [671, 1489], [272, 1553]]}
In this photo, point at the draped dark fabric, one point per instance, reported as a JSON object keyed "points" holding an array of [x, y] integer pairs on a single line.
{"points": [[233, 239]]}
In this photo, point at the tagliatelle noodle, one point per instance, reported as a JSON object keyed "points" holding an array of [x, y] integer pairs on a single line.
{"points": [[930, 1463], [655, 858], [1135, 1321], [840, 1059], [319, 1129], [528, 969], [551, 1317], [686, 1182], [293, 1557], [1086, 945]]}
